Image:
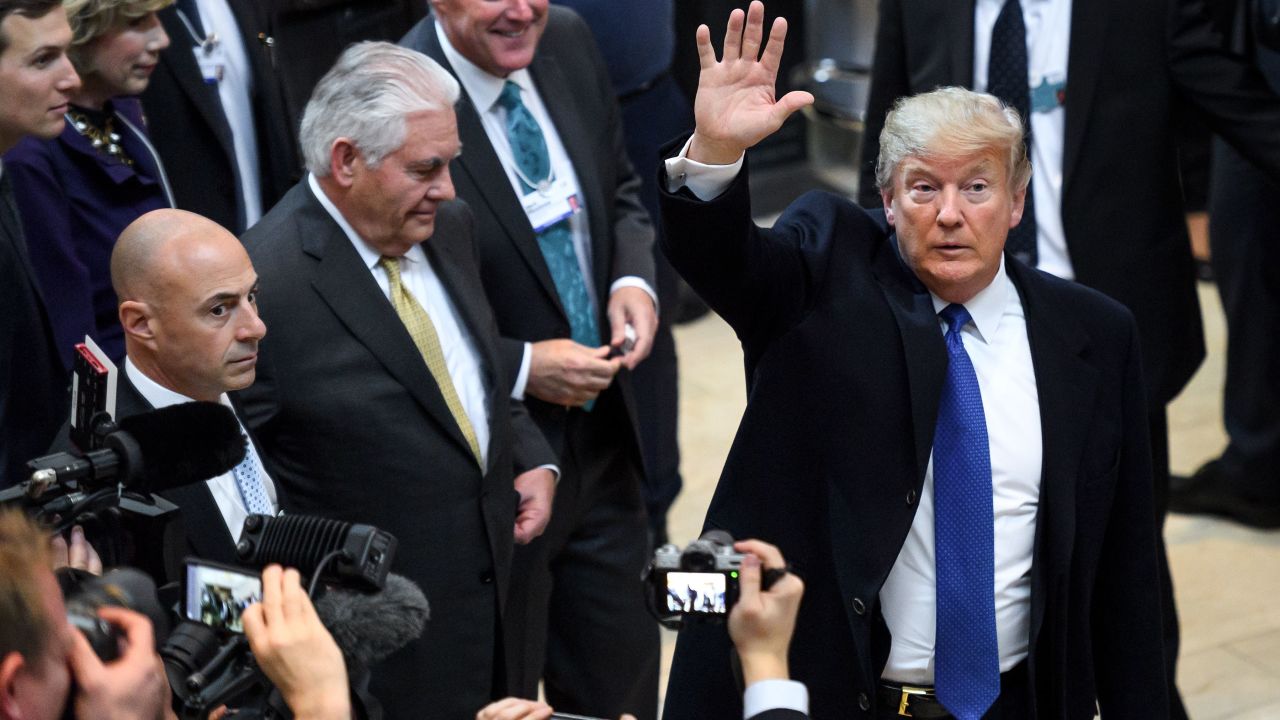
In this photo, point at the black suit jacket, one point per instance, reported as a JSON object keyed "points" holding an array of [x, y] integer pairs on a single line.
{"points": [[191, 133], [846, 364], [1132, 69], [33, 387], [356, 428], [574, 84]]}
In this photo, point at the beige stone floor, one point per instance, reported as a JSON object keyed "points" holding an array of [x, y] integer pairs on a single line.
{"points": [[1227, 578]]}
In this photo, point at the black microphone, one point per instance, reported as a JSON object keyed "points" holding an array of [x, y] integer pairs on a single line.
{"points": [[369, 627], [358, 556], [154, 451]]}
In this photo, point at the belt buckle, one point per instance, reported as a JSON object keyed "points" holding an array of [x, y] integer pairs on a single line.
{"points": [[907, 692]]}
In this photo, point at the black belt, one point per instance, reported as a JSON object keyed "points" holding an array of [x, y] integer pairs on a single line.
{"points": [[909, 701], [920, 701]]}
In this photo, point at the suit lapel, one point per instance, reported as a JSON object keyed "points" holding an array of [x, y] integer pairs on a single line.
{"points": [[440, 251], [485, 172], [1065, 385], [1089, 27], [922, 345], [348, 288], [189, 78]]}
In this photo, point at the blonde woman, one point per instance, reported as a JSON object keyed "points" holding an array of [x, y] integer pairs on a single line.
{"points": [[77, 191]]}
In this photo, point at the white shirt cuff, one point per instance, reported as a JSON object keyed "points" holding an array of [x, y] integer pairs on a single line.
{"points": [[706, 182], [633, 281], [775, 695], [522, 377], [555, 470]]}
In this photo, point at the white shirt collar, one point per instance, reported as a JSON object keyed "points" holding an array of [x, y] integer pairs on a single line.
{"points": [[158, 395], [368, 255], [481, 87], [988, 306]]}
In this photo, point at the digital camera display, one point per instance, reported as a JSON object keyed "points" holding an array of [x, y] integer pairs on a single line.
{"points": [[697, 592], [218, 596]]}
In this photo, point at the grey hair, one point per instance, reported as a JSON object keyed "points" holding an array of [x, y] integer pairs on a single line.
{"points": [[952, 122], [366, 97]]}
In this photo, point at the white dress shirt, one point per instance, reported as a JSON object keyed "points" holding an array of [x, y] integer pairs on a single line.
{"points": [[420, 279], [226, 494], [484, 89], [997, 343], [235, 90], [1048, 25]]}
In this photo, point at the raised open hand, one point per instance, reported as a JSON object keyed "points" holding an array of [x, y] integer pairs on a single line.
{"points": [[735, 107]]}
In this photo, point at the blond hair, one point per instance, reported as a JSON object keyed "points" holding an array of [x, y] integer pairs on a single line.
{"points": [[952, 122], [91, 19], [24, 551]]}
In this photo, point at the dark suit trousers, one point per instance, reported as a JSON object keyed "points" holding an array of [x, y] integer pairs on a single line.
{"points": [[1245, 212], [577, 589]]}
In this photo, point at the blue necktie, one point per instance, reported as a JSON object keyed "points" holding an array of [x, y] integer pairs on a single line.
{"points": [[966, 655], [1007, 79], [249, 481], [556, 241]]}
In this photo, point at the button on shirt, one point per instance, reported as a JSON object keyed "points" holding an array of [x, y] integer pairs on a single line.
{"points": [[484, 89], [997, 344], [421, 280], [226, 494], [1048, 24]]}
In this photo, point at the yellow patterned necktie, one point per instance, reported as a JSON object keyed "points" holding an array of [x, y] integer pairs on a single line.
{"points": [[423, 331]]}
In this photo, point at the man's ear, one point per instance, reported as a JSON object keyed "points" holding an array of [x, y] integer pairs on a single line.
{"points": [[135, 318], [886, 197], [1019, 205], [10, 667], [343, 158]]}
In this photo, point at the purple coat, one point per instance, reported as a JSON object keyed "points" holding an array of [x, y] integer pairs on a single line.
{"points": [[74, 202]]}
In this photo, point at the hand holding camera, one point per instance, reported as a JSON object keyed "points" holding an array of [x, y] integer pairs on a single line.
{"points": [[131, 686], [294, 649], [763, 620]]}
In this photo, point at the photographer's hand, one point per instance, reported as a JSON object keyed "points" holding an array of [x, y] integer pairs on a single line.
{"points": [[761, 623], [78, 554], [132, 686], [295, 651]]}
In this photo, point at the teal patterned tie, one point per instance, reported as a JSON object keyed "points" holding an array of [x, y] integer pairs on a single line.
{"points": [[556, 241]]}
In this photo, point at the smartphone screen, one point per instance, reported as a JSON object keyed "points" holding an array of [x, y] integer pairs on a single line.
{"points": [[696, 592], [217, 596]]}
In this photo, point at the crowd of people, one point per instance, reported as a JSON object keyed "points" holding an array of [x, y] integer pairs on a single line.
{"points": [[426, 278]]}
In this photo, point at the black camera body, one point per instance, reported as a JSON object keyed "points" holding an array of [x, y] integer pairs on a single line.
{"points": [[699, 581]]}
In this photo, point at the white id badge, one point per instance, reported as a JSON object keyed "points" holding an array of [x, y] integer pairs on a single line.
{"points": [[550, 203], [212, 58]]}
